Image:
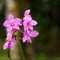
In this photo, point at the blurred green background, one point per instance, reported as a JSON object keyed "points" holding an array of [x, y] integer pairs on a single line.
{"points": [[47, 13]]}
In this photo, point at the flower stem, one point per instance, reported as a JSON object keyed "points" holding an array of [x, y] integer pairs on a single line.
{"points": [[21, 31], [20, 47]]}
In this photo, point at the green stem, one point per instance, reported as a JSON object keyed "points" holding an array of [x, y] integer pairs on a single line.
{"points": [[20, 47], [21, 31]]}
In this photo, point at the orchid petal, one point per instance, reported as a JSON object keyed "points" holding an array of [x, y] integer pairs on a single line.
{"points": [[27, 12], [9, 36], [33, 22], [34, 33], [29, 40], [16, 27], [5, 46], [24, 39], [31, 27], [18, 21], [25, 23], [13, 43], [28, 17], [6, 23], [10, 16], [9, 29]]}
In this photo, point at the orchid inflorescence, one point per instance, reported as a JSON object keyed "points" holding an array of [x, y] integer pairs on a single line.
{"points": [[14, 24]]}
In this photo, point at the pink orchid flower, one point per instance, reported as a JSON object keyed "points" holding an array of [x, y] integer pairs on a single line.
{"points": [[9, 44], [27, 36], [12, 23], [28, 22]]}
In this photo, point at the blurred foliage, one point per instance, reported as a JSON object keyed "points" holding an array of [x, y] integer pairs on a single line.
{"points": [[2, 18], [46, 12]]}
